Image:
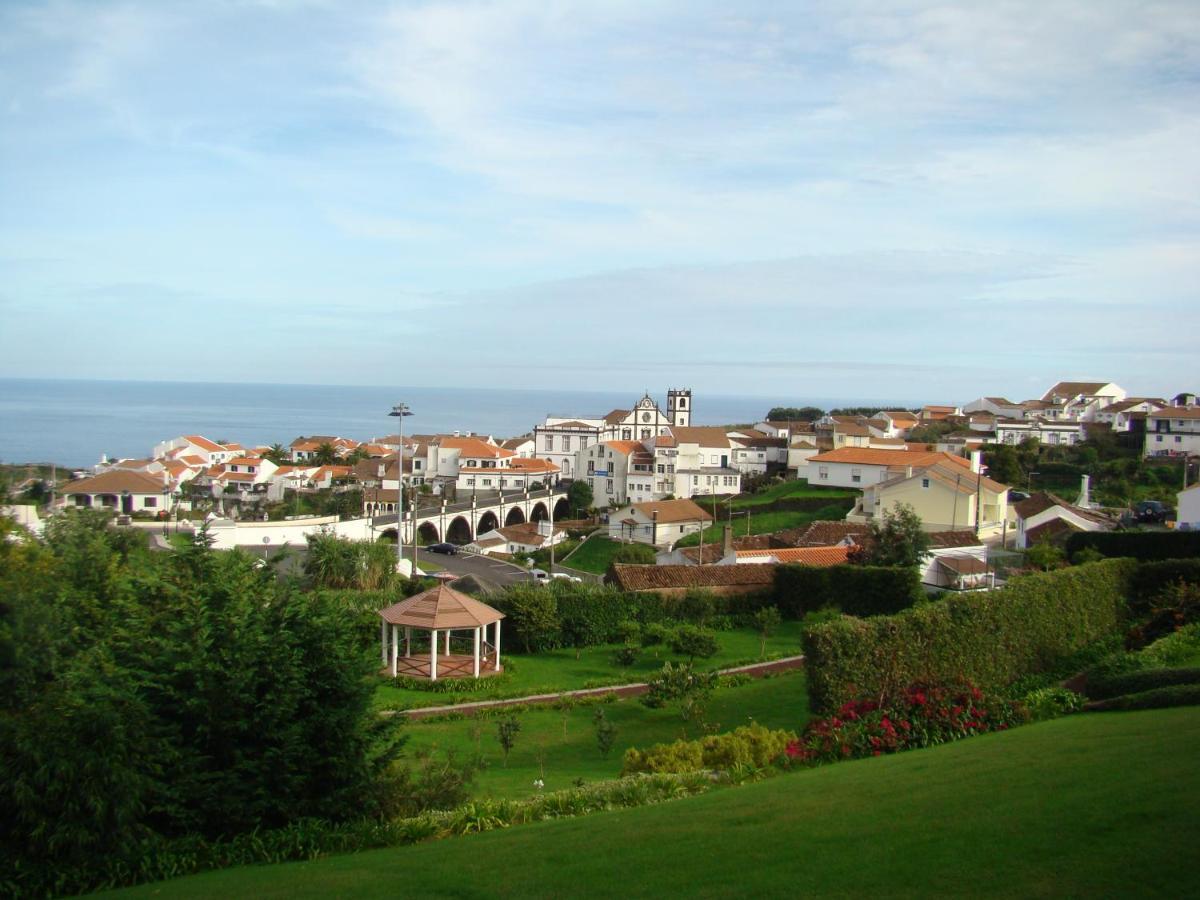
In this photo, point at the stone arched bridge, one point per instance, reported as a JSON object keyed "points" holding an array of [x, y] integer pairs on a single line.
{"points": [[462, 521]]}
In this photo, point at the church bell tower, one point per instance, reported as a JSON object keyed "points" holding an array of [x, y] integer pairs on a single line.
{"points": [[679, 407]]}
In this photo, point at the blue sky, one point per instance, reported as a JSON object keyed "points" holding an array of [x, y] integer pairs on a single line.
{"points": [[889, 199]]}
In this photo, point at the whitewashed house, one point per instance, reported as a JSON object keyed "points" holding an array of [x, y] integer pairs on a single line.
{"points": [[658, 523], [1187, 506], [1081, 400], [1173, 431], [997, 406]]}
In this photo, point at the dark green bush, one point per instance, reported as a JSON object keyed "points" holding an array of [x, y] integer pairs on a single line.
{"points": [[855, 590], [1137, 682], [1142, 545], [990, 638], [1158, 698], [1154, 578]]}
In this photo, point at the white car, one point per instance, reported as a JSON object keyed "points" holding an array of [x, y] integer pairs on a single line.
{"points": [[565, 577], [540, 575]]}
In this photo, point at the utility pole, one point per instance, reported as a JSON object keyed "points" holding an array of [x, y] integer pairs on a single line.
{"points": [[400, 410], [550, 538]]}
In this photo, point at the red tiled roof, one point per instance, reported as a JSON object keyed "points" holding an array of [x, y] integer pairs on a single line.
{"points": [[808, 556], [652, 578]]}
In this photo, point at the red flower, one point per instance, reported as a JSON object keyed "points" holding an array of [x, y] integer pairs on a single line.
{"points": [[793, 749]]}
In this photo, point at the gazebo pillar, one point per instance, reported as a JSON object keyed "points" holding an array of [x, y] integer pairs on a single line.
{"points": [[497, 665], [478, 629], [383, 638], [433, 655], [447, 641], [407, 641], [395, 647]]}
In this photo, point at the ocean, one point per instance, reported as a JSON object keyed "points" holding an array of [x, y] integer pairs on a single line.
{"points": [[73, 423]]}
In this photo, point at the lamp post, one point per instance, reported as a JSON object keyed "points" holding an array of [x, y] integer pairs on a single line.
{"points": [[400, 410]]}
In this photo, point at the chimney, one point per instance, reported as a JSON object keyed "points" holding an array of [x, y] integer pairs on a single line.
{"points": [[976, 460], [728, 542], [654, 515], [1085, 500]]}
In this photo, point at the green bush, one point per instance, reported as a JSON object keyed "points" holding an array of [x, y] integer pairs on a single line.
{"points": [[1141, 545], [1139, 681], [1159, 698], [1051, 702], [855, 590], [751, 745], [989, 638], [692, 642], [1154, 578]]}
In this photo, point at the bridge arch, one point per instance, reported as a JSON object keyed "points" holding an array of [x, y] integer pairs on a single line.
{"points": [[427, 533], [459, 531], [388, 535], [516, 516], [562, 509], [538, 512], [487, 522]]}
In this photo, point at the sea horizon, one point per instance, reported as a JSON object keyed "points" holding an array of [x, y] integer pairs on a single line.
{"points": [[73, 422]]}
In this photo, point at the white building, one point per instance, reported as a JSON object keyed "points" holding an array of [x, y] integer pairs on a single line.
{"points": [[858, 467], [1081, 400], [1014, 431], [997, 406], [121, 491], [1187, 505], [659, 523], [1120, 416], [1173, 431], [1044, 516]]}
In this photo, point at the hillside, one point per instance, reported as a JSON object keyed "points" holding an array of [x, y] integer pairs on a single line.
{"points": [[1098, 804]]}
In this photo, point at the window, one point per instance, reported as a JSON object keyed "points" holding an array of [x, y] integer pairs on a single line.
{"points": [[822, 473], [645, 433], [549, 442], [661, 468], [150, 501], [924, 483], [487, 482], [1158, 438], [609, 487], [856, 475], [714, 459], [626, 434], [566, 443], [1178, 439], [695, 479], [591, 466], [471, 480]]}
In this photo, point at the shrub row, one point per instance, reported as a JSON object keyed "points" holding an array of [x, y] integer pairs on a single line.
{"points": [[1142, 545], [751, 745], [1156, 577], [309, 839], [855, 590], [1137, 682], [990, 638], [1159, 698]]}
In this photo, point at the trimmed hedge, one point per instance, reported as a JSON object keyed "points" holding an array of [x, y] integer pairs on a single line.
{"points": [[1144, 545], [1159, 698], [855, 590], [1137, 682], [989, 638]]}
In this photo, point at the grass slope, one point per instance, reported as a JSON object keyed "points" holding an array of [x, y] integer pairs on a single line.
{"points": [[594, 555], [1093, 805], [543, 750]]}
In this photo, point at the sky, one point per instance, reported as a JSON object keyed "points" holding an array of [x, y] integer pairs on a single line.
{"points": [[925, 201]]}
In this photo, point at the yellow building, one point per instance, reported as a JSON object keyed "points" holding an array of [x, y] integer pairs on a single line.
{"points": [[947, 497]]}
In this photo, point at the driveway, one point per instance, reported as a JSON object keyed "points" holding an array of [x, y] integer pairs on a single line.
{"points": [[492, 570]]}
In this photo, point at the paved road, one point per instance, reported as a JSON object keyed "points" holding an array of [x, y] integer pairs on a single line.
{"points": [[492, 570]]}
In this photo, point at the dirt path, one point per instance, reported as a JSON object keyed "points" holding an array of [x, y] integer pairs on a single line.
{"points": [[754, 670]]}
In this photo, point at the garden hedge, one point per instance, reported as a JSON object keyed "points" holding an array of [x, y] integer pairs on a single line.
{"points": [[1143, 545], [1137, 682], [1155, 577], [855, 590], [1159, 698], [989, 638]]}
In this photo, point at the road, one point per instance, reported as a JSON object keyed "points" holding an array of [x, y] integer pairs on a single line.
{"points": [[491, 570]]}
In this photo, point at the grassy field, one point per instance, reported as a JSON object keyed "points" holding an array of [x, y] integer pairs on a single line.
{"points": [[559, 670], [594, 555], [763, 523], [1091, 805], [545, 749]]}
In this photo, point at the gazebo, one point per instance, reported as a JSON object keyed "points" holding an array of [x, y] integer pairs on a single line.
{"points": [[440, 610]]}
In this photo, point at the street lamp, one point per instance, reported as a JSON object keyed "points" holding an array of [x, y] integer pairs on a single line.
{"points": [[400, 410]]}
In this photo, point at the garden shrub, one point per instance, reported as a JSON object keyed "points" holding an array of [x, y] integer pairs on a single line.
{"points": [[990, 638], [1177, 606], [1156, 577], [919, 716], [1138, 681], [1051, 702], [1158, 698], [855, 590], [1140, 545], [692, 642], [751, 745]]}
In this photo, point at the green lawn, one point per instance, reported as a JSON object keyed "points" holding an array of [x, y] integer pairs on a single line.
{"points": [[594, 555], [778, 702], [1100, 805], [763, 523], [559, 670]]}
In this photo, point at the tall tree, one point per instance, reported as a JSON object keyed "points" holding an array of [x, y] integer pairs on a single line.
{"points": [[895, 540]]}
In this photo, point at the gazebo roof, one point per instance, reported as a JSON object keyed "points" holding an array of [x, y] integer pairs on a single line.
{"points": [[440, 607]]}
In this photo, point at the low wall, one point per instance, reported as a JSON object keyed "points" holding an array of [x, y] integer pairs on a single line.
{"points": [[276, 534]]}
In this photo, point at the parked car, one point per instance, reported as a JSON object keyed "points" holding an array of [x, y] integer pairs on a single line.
{"points": [[1017, 496], [540, 575], [444, 549], [1151, 511], [565, 577]]}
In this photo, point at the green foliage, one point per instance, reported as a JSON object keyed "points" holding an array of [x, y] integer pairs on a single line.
{"points": [[606, 732], [148, 696], [431, 781], [626, 656], [855, 590], [1086, 555], [1138, 681], [506, 733], [1154, 578], [896, 540], [681, 684], [532, 616], [751, 745], [693, 642], [1142, 545], [766, 620], [635, 554], [579, 497], [990, 638], [794, 413], [337, 562], [629, 632], [1045, 555], [1158, 698], [1004, 465], [1051, 702], [697, 605]]}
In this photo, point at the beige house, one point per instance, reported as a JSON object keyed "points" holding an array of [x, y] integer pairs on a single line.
{"points": [[659, 523], [121, 491], [947, 497]]}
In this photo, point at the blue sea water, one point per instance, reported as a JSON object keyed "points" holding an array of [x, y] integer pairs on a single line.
{"points": [[73, 422]]}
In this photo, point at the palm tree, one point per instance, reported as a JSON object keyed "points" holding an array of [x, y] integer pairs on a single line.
{"points": [[278, 454], [326, 455]]}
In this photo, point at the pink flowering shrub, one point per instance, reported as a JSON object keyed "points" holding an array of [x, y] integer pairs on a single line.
{"points": [[922, 716]]}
